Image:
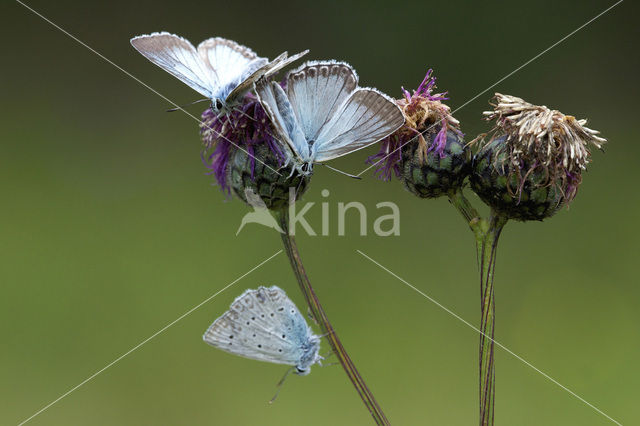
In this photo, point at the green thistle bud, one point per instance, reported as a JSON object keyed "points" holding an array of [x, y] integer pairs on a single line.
{"points": [[259, 173], [428, 152], [243, 156], [532, 164], [434, 174]]}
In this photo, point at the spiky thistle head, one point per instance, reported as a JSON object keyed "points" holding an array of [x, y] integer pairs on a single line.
{"points": [[532, 163], [428, 152], [240, 151]]}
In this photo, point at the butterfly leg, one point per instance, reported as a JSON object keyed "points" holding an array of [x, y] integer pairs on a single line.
{"points": [[328, 354], [279, 385], [298, 188]]}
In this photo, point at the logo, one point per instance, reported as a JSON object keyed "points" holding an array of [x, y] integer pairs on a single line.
{"points": [[260, 213], [384, 225]]}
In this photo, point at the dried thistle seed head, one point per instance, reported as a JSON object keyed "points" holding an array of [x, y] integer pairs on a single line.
{"points": [[240, 151], [428, 152], [532, 164]]}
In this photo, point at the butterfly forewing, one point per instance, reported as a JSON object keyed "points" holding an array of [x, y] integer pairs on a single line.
{"points": [[363, 119], [282, 61], [178, 57], [219, 68], [261, 324], [316, 90]]}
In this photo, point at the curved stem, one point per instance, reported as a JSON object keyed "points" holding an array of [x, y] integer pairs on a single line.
{"points": [[321, 318]]}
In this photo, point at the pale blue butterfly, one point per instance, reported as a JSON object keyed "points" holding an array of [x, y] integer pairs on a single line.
{"points": [[265, 325], [323, 114], [220, 69]]}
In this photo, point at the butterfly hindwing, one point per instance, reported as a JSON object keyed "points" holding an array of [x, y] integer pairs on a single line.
{"points": [[255, 73], [363, 119]]}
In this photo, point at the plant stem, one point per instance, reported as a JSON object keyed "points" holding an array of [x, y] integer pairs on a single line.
{"points": [[486, 234], [321, 318], [487, 254]]}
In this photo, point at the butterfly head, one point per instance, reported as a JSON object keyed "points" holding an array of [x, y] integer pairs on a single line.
{"points": [[306, 168], [217, 105]]}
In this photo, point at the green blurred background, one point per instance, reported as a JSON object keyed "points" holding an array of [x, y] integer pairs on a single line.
{"points": [[111, 230]]}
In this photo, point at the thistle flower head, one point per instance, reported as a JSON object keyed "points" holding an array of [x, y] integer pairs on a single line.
{"points": [[427, 122], [428, 152], [244, 128], [538, 134], [534, 151], [242, 154]]}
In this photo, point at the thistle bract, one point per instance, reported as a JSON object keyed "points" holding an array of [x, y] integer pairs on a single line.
{"points": [[436, 173], [428, 152], [258, 171], [242, 154], [532, 164]]}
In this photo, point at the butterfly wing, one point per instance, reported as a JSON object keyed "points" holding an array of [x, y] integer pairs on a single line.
{"points": [[254, 74], [262, 324], [178, 57], [316, 90], [232, 63], [282, 61], [363, 119], [277, 106]]}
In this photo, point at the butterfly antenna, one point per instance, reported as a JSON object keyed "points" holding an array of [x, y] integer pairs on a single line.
{"points": [[186, 105], [340, 171], [279, 385]]}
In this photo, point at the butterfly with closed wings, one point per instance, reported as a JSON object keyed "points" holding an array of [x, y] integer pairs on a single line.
{"points": [[220, 69], [265, 325], [323, 114]]}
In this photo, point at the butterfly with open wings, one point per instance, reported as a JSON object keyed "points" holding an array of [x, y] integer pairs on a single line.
{"points": [[322, 114], [220, 69]]}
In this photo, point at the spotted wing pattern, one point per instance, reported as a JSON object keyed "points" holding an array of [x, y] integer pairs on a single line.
{"points": [[262, 324]]}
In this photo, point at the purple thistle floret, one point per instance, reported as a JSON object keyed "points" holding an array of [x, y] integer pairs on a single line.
{"points": [[426, 88], [387, 159], [422, 111], [243, 128]]}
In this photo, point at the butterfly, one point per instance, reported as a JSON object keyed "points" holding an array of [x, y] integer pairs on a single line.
{"points": [[220, 69], [265, 325], [323, 114]]}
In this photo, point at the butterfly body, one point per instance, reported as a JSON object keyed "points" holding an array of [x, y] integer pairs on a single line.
{"points": [[220, 69], [265, 325], [323, 114]]}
